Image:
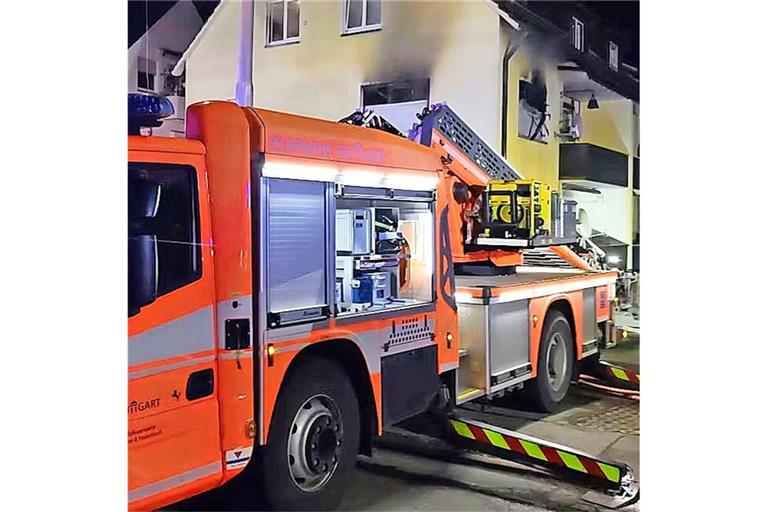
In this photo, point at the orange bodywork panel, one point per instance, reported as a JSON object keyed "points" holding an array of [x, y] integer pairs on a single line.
{"points": [[223, 128], [539, 308], [602, 303], [305, 137], [162, 423]]}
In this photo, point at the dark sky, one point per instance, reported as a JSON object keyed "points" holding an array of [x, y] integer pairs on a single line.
{"points": [[155, 10]]}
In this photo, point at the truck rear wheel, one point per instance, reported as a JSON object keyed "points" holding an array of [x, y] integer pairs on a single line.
{"points": [[313, 439], [555, 365]]}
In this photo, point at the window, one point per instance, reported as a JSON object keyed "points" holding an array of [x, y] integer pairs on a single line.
{"points": [[613, 55], [532, 109], [282, 21], [162, 202], [397, 102], [146, 76], [362, 15], [577, 34]]}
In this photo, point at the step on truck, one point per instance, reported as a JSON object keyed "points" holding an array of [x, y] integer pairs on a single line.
{"points": [[297, 285]]}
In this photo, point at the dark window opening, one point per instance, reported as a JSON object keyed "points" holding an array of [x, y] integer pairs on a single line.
{"points": [[162, 201], [532, 115], [396, 92], [398, 102], [146, 74], [146, 80]]}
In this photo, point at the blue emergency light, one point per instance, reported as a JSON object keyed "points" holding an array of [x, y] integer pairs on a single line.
{"points": [[147, 110]]}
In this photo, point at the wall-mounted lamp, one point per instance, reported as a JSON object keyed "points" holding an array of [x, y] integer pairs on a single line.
{"points": [[592, 104]]}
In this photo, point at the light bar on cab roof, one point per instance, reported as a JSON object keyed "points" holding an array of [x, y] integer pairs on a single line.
{"points": [[147, 110], [149, 105], [350, 176]]}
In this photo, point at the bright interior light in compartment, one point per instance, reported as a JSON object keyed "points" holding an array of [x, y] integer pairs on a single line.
{"points": [[294, 171]]}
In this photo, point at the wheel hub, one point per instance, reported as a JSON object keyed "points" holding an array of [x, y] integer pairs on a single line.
{"points": [[314, 443], [556, 361], [323, 445]]}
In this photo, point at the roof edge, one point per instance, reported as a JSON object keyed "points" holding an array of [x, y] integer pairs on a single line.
{"points": [[178, 69]]}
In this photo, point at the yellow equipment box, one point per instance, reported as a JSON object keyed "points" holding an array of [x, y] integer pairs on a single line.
{"points": [[519, 209]]}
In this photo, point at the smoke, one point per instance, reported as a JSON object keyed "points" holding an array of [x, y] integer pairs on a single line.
{"points": [[408, 52], [542, 52]]}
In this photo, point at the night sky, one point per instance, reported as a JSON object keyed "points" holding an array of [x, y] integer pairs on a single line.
{"points": [[154, 11]]}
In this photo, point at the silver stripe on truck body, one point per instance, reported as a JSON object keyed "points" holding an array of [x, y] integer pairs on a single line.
{"points": [[188, 334]]}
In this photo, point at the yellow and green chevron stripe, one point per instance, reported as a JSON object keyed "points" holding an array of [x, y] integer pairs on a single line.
{"points": [[538, 451]]}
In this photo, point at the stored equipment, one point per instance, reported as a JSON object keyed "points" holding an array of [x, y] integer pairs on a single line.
{"points": [[371, 288], [353, 231], [519, 209], [388, 239]]}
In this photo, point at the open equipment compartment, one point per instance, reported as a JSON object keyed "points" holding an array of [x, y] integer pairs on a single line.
{"points": [[385, 252]]}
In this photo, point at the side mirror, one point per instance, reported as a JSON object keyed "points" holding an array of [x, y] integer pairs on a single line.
{"points": [[142, 272]]}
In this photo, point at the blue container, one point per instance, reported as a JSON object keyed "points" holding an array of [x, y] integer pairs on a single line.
{"points": [[362, 290]]}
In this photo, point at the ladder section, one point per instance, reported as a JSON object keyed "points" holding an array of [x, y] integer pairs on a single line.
{"points": [[447, 123]]}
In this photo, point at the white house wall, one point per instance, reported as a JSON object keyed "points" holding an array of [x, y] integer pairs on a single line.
{"points": [[606, 211], [454, 44]]}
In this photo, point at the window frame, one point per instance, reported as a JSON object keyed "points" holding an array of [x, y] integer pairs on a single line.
{"points": [[364, 27], [196, 228], [577, 43], [268, 31], [613, 51]]}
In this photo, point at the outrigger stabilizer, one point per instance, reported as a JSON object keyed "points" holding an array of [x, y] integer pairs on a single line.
{"points": [[615, 480]]}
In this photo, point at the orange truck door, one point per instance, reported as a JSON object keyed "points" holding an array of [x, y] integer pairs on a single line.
{"points": [[173, 415]]}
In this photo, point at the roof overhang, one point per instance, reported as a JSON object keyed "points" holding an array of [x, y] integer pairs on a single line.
{"points": [[597, 70], [178, 69], [577, 84]]}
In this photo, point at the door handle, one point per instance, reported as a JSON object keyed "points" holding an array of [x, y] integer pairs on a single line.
{"points": [[200, 384]]}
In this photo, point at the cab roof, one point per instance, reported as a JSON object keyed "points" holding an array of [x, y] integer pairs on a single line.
{"points": [[165, 144]]}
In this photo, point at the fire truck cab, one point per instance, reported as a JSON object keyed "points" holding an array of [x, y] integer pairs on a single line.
{"points": [[292, 291]]}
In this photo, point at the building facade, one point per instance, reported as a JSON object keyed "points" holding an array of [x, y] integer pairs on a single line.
{"points": [[521, 80]]}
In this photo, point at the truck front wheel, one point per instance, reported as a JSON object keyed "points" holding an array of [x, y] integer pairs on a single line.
{"points": [[314, 439], [555, 364]]}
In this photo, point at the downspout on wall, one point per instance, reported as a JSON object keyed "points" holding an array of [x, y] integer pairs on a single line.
{"points": [[505, 95], [244, 84], [508, 54]]}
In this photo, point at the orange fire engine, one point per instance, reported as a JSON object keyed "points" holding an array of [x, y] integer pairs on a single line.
{"points": [[297, 285]]}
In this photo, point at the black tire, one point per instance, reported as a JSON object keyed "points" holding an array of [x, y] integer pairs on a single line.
{"points": [[544, 394], [316, 377]]}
